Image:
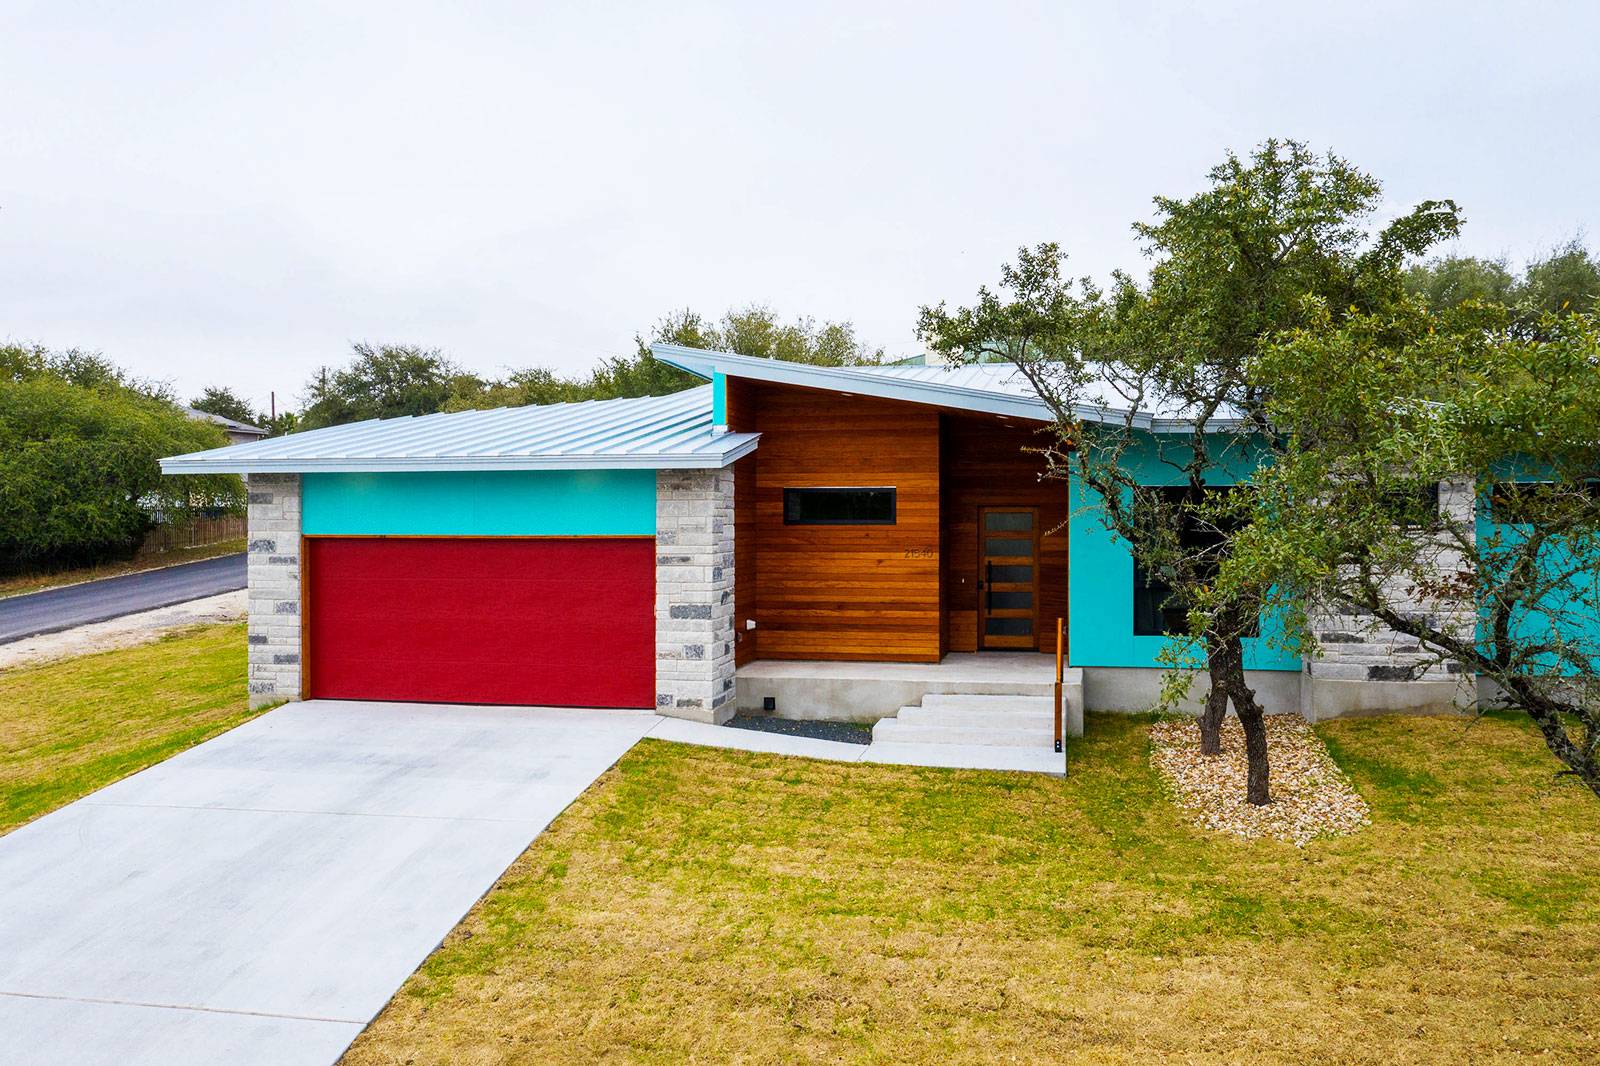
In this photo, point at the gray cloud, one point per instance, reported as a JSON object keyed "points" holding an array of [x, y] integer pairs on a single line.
{"points": [[232, 193]]}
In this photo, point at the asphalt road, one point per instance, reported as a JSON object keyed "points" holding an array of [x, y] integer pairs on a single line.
{"points": [[53, 610]]}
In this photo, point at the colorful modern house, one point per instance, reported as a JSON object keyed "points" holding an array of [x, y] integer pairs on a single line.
{"points": [[832, 542]]}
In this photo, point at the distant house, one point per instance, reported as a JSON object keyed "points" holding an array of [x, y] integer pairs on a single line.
{"points": [[238, 432]]}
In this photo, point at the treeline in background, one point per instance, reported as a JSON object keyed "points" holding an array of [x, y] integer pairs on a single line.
{"points": [[80, 438]]}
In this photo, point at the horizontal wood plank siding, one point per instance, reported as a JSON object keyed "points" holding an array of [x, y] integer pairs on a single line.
{"points": [[839, 592], [985, 464]]}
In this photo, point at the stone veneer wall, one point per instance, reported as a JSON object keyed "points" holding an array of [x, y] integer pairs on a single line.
{"points": [[1364, 666], [274, 587], [694, 594]]}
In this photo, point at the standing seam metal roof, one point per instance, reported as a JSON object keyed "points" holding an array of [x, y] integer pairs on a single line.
{"points": [[648, 432]]}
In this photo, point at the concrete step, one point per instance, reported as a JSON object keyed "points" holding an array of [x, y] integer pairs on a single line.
{"points": [[894, 731], [968, 756], [982, 718], [1009, 702]]}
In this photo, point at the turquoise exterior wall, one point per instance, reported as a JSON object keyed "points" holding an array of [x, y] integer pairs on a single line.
{"points": [[496, 503], [1100, 592], [719, 398], [1572, 605]]}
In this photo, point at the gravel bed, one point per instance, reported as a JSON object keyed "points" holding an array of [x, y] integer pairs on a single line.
{"points": [[1310, 795], [848, 732]]}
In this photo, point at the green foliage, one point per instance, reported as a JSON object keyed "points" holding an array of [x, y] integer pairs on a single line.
{"points": [[1566, 280], [383, 381], [223, 401], [79, 451], [386, 381], [1452, 280], [1378, 408], [1232, 266]]}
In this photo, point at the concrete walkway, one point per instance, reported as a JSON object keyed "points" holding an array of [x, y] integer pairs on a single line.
{"points": [[258, 899], [952, 756]]}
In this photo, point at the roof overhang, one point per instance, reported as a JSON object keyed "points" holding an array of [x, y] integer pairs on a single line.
{"points": [[218, 462], [674, 432], [851, 380], [863, 381]]}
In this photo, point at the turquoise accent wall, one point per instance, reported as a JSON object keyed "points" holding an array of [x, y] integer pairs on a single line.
{"points": [[1575, 605], [1100, 587], [482, 503], [719, 398]]}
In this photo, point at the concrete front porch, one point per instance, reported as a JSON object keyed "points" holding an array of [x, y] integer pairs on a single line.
{"points": [[868, 691]]}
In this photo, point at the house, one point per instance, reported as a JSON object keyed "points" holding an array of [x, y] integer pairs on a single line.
{"points": [[238, 432], [833, 542]]}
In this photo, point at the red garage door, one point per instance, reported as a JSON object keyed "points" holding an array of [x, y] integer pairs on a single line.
{"points": [[477, 620]]}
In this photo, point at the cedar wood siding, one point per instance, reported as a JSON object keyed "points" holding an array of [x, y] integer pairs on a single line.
{"points": [[985, 465], [836, 592]]}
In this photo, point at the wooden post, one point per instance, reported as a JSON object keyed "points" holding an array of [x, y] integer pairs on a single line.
{"points": [[1058, 684]]}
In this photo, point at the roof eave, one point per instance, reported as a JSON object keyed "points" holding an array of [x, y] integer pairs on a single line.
{"points": [[845, 380], [864, 383], [690, 460]]}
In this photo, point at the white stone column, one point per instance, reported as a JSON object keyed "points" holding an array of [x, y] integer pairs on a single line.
{"points": [[274, 587], [694, 594]]}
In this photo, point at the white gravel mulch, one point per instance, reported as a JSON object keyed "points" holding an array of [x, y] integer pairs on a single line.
{"points": [[1310, 795]]}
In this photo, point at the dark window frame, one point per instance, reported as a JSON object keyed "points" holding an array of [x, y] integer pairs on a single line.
{"points": [[1505, 497], [1150, 597], [791, 516], [1152, 615], [1416, 508]]}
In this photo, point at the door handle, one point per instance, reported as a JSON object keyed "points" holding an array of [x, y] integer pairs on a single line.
{"points": [[988, 585]]}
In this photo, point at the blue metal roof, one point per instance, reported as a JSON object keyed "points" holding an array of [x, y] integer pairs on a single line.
{"points": [[651, 432]]}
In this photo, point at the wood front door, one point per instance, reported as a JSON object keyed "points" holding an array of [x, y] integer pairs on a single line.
{"points": [[1008, 577]]}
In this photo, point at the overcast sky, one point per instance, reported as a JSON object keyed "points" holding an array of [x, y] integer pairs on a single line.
{"points": [[232, 193]]}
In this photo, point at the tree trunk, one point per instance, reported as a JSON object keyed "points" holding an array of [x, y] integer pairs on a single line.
{"points": [[1255, 748], [1216, 707], [1251, 718], [1546, 714]]}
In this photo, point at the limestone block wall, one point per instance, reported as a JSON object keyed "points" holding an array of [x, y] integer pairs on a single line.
{"points": [[694, 594], [1364, 666], [274, 587]]}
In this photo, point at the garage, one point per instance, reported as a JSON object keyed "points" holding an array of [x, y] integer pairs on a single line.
{"points": [[552, 621]]}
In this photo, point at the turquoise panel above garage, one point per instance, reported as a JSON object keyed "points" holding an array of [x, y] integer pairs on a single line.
{"points": [[492, 503]]}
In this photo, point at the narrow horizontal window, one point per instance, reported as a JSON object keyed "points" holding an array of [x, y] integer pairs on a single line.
{"points": [[839, 507]]}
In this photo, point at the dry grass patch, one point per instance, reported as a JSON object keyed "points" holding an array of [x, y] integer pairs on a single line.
{"points": [[70, 727], [1311, 797], [713, 906]]}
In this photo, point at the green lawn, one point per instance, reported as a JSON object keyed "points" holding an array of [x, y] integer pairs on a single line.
{"points": [[69, 727], [713, 906]]}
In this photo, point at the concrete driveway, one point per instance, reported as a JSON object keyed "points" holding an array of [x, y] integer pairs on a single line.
{"points": [[259, 898]]}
